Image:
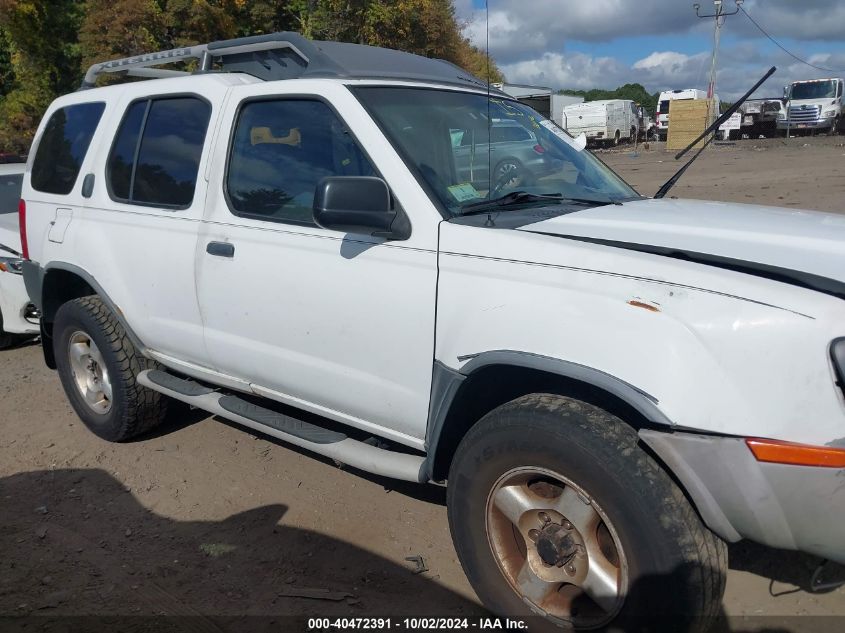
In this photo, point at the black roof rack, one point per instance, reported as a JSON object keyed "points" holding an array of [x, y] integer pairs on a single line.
{"points": [[290, 56]]}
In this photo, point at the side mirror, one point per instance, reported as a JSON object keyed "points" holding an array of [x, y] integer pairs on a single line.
{"points": [[358, 204], [581, 141], [786, 92]]}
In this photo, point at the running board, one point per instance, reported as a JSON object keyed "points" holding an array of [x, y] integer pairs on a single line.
{"points": [[311, 437]]}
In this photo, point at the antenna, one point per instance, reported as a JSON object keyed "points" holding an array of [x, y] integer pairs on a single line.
{"points": [[490, 185]]}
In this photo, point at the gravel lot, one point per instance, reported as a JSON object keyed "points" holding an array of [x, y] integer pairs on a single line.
{"points": [[203, 519]]}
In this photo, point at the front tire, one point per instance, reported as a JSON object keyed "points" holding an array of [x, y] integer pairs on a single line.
{"points": [[556, 512], [98, 366]]}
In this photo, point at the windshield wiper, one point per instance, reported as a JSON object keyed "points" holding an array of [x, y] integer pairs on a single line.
{"points": [[516, 198], [661, 193], [3, 247]]}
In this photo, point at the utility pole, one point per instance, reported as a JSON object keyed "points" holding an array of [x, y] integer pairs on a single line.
{"points": [[719, 20]]}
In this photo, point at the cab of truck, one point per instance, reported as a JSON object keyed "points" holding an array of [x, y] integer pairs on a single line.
{"points": [[813, 105], [662, 114]]}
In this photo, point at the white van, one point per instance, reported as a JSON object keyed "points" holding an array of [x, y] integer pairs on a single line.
{"points": [[610, 121], [663, 106]]}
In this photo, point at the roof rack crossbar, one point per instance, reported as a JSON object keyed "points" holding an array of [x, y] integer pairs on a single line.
{"points": [[289, 55], [139, 65]]}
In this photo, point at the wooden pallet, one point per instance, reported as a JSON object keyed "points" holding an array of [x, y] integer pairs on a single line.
{"points": [[687, 120]]}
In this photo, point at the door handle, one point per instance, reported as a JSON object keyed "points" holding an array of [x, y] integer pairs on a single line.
{"points": [[220, 249]]}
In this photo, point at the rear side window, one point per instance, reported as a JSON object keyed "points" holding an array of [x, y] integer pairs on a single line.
{"points": [[156, 154], [10, 193], [280, 151], [63, 147]]}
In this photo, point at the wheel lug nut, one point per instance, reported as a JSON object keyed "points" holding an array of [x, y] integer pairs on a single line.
{"points": [[567, 525], [534, 535], [570, 569], [544, 517]]}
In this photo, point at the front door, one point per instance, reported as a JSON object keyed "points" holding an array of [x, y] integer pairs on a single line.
{"points": [[335, 323]]}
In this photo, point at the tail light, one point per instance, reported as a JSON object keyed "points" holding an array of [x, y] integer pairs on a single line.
{"points": [[539, 149], [22, 224]]}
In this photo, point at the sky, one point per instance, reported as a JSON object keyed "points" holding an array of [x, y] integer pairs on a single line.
{"points": [[661, 44]]}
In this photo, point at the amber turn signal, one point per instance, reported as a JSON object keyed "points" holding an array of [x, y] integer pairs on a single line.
{"points": [[777, 452]]}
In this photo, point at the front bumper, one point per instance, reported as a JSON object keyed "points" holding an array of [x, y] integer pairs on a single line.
{"points": [[782, 506], [15, 304], [821, 124]]}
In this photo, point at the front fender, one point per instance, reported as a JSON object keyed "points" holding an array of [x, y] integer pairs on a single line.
{"points": [[711, 360]]}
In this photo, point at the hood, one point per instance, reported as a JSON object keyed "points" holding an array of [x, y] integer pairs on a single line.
{"points": [[806, 248]]}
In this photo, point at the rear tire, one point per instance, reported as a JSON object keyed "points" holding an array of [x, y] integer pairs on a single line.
{"points": [[7, 339], [667, 568], [98, 366]]}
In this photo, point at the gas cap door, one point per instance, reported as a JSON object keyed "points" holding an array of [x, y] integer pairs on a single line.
{"points": [[59, 225]]}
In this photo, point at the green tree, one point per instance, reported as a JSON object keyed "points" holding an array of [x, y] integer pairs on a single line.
{"points": [[7, 73], [46, 45], [634, 92], [43, 53], [121, 28], [189, 22]]}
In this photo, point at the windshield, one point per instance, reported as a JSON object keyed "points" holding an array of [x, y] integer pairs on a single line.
{"points": [[445, 137], [814, 90]]}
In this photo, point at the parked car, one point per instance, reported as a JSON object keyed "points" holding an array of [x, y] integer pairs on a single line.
{"points": [[18, 316], [610, 386], [518, 157]]}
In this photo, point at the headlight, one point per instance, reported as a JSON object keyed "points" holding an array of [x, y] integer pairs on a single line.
{"points": [[837, 353], [829, 114], [11, 265], [781, 116]]}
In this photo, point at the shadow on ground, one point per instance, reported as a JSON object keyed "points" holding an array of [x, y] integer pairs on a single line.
{"points": [[76, 543], [79, 553]]}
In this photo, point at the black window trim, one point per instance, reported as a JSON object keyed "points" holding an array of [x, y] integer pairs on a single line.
{"points": [[149, 99], [291, 97], [37, 146]]}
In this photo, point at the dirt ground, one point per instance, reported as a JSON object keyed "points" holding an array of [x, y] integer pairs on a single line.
{"points": [[800, 173], [205, 520]]}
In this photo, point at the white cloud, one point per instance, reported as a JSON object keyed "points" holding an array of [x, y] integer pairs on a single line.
{"points": [[662, 60], [530, 45], [574, 70]]}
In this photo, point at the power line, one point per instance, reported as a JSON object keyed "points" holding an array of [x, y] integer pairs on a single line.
{"points": [[784, 49]]}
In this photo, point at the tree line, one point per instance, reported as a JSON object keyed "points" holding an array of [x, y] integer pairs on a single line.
{"points": [[46, 45], [635, 92]]}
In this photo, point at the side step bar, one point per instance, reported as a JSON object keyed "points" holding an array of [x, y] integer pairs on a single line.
{"points": [[303, 434]]}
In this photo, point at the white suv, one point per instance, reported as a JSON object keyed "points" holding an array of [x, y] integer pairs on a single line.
{"points": [[611, 386], [18, 316]]}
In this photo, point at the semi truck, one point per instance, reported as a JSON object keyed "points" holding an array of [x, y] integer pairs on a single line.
{"points": [[813, 105]]}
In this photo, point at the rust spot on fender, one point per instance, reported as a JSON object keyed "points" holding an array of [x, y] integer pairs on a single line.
{"points": [[637, 303]]}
